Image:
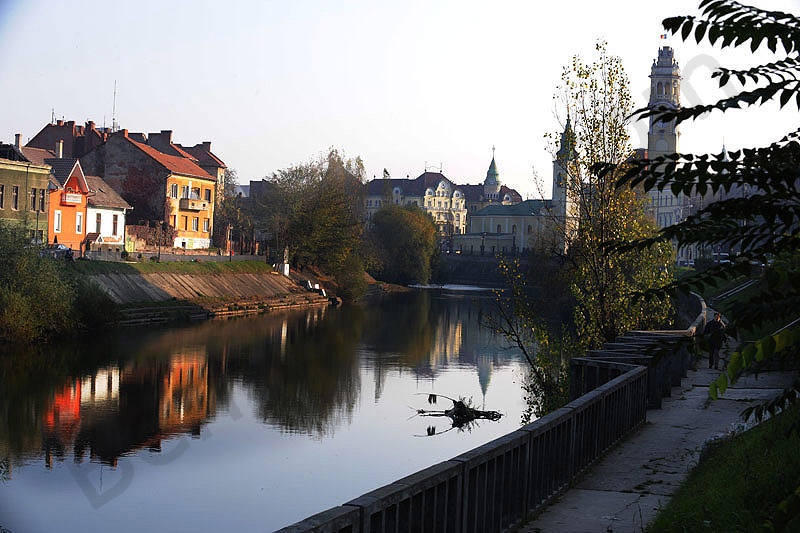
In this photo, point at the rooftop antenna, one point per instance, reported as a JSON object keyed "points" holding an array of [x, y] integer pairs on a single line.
{"points": [[52, 115], [114, 110]]}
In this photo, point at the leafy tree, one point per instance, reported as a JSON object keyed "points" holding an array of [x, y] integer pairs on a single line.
{"points": [[316, 210], [598, 106], [765, 225], [405, 240], [519, 316]]}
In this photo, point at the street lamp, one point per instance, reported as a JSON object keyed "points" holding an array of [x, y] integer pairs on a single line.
{"points": [[160, 227], [230, 244]]}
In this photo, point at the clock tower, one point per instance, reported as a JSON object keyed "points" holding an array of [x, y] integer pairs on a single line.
{"points": [[663, 136], [665, 94]]}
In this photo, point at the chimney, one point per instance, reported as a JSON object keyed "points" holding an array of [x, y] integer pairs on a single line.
{"points": [[59, 122], [18, 140], [207, 146], [167, 136], [90, 125], [60, 149]]}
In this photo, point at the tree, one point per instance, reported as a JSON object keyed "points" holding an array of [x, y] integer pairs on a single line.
{"points": [[765, 225], [228, 210], [598, 107], [316, 209], [405, 242]]}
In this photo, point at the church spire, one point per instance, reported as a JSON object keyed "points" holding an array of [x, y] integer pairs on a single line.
{"points": [[491, 184], [566, 149]]}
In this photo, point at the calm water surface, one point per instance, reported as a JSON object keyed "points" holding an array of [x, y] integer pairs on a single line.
{"points": [[244, 425]]}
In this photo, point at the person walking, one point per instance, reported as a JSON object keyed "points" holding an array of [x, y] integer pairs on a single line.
{"points": [[715, 330]]}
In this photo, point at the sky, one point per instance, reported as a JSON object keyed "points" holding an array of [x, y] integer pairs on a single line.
{"points": [[406, 85]]}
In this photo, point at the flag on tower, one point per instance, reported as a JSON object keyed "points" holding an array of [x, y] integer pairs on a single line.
{"points": [[663, 35]]}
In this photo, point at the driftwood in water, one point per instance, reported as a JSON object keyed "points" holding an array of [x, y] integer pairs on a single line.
{"points": [[461, 414]]}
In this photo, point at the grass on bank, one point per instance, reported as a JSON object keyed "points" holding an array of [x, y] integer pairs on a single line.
{"points": [[738, 484]]}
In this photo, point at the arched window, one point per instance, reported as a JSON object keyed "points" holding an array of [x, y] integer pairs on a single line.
{"points": [[530, 229], [498, 228], [660, 89], [513, 229]]}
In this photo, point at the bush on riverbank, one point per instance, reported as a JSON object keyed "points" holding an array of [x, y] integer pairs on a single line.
{"points": [[43, 298]]}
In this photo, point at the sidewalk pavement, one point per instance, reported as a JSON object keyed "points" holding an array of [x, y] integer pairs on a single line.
{"points": [[626, 488]]}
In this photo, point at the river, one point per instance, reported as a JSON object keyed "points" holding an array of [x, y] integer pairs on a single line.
{"points": [[248, 424]]}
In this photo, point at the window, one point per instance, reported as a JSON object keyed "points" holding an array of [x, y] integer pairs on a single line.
{"points": [[41, 200], [114, 224], [185, 220], [195, 193], [33, 199], [195, 224], [174, 222], [206, 225], [184, 191], [498, 228], [79, 223], [14, 197], [513, 229], [2, 196], [207, 195], [173, 190], [57, 222], [98, 222]]}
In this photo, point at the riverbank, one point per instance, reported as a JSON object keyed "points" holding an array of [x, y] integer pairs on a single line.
{"points": [[159, 292]]}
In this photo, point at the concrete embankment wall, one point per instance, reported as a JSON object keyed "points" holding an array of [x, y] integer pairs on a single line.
{"points": [[212, 294]]}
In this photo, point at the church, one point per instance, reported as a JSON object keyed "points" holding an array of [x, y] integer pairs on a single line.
{"points": [[532, 225]]}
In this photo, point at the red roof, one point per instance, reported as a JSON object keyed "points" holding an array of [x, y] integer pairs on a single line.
{"points": [[173, 163]]}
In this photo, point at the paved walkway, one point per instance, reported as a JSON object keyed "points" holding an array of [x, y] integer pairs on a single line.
{"points": [[625, 489]]}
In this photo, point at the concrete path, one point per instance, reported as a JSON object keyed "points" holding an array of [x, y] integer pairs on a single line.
{"points": [[625, 489]]}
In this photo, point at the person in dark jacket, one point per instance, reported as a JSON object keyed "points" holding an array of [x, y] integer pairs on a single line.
{"points": [[715, 330]]}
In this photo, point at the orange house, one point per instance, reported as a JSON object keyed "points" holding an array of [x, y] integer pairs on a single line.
{"points": [[68, 198]]}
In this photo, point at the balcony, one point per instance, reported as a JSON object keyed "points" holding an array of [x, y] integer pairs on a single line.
{"points": [[193, 204]]}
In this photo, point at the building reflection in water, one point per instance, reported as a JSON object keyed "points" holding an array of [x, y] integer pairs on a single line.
{"points": [[117, 411], [302, 373]]}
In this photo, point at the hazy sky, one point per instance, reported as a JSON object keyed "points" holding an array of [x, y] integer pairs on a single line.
{"points": [[402, 84]]}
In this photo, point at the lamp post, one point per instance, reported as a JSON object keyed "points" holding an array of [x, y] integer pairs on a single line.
{"points": [[230, 243], [160, 226]]}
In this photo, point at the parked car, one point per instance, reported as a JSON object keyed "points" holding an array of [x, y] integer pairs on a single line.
{"points": [[56, 251]]}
